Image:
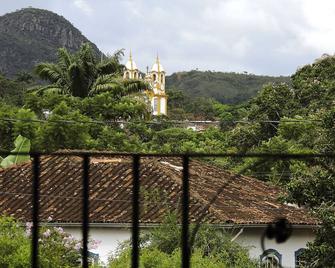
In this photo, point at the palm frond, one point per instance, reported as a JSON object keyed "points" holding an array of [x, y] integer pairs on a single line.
{"points": [[50, 72], [117, 56], [109, 67], [106, 83], [53, 88], [114, 87], [132, 86], [86, 53], [64, 59]]}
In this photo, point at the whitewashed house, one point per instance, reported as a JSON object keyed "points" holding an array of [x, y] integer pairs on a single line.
{"points": [[244, 205]]}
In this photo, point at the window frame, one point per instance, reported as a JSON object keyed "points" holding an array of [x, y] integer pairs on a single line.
{"points": [[297, 254], [270, 252]]}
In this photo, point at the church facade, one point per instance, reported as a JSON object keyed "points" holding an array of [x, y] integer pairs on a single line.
{"points": [[156, 80]]}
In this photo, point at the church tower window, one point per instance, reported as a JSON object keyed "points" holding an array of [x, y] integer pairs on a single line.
{"points": [[155, 105]]}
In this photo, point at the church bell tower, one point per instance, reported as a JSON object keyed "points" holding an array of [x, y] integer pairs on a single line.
{"points": [[158, 96], [155, 78]]}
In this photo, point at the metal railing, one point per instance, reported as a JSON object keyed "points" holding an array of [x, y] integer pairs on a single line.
{"points": [[185, 248]]}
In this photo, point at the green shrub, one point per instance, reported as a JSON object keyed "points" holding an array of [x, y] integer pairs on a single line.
{"points": [[161, 248], [56, 247]]}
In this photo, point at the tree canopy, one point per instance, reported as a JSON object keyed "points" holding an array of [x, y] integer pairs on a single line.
{"points": [[81, 74]]}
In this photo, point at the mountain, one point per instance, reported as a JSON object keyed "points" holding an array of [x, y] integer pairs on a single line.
{"points": [[29, 36], [224, 87]]}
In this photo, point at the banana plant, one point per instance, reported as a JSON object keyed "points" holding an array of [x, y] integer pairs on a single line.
{"points": [[22, 145]]}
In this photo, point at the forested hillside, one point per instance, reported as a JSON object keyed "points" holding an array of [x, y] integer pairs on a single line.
{"points": [[223, 87], [29, 36]]}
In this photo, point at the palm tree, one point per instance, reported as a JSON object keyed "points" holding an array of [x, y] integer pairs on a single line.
{"points": [[81, 74]]}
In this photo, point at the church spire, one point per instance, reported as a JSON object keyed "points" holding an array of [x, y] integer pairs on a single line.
{"points": [[158, 64], [131, 71], [131, 60]]}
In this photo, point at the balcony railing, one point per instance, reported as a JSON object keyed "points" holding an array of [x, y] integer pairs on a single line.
{"points": [[136, 157]]}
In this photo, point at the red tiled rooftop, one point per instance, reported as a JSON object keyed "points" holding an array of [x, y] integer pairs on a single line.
{"points": [[244, 200]]}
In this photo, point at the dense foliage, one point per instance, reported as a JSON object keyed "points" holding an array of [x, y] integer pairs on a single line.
{"points": [[297, 119], [57, 248], [12, 91]]}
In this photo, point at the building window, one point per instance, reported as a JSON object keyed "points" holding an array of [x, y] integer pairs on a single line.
{"points": [[155, 104], [162, 78], [154, 77], [270, 259], [127, 75], [300, 261]]}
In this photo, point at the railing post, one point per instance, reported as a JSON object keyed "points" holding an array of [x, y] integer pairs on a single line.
{"points": [[85, 225], [185, 214], [136, 212], [36, 200]]}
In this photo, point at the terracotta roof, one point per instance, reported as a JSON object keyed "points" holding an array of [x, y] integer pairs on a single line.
{"points": [[244, 200]]}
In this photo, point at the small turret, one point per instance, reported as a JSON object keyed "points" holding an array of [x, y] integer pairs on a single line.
{"points": [[131, 71]]}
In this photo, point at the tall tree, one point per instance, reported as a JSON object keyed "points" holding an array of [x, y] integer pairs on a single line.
{"points": [[81, 74]]}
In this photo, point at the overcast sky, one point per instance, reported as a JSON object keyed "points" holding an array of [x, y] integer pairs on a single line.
{"points": [[271, 37]]}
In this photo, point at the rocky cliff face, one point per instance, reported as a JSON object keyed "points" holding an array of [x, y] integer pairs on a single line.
{"points": [[30, 35]]}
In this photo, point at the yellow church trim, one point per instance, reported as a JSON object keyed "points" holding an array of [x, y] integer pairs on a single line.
{"points": [[156, 90]]}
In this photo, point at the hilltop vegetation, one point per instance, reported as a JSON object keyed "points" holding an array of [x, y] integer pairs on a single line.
{"points": [[229, 88], [30, 35]]}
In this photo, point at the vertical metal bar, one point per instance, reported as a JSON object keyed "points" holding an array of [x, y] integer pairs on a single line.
{"points": [[185, 213], [136, 212], [85, 225], [36, 199]]}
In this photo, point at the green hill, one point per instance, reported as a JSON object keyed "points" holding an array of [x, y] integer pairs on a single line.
{"points": [[224, 87], [29, 36]]}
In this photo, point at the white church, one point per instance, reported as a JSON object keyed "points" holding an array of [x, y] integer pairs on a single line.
{"points": [[156, 80]]}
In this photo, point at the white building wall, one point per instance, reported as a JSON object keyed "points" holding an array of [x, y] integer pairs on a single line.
{"points": [[251, 238], [110, 238], [154, 105], [163, 106]]}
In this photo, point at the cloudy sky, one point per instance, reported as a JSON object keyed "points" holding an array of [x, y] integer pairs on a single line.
{"points": [[271, 37]]}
